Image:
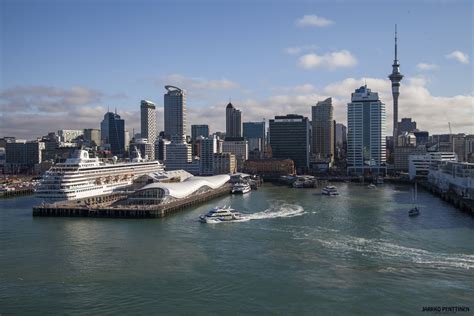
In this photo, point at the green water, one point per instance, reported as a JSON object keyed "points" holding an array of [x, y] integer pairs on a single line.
{"points": [[301, 253]]}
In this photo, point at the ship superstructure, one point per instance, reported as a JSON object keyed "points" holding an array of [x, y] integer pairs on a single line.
{"points": [[82, 176]]}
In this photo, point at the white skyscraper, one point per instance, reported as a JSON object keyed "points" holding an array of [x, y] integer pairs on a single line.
{"points": [[366, 123], [175, 114], [148, 124]]}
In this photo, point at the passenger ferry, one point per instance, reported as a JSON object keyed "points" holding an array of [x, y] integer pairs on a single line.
{"points": [[329, 190], [241, 188], [82, 177], [220, 214]]}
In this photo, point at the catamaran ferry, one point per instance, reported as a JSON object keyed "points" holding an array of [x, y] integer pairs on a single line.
{"points": [[82, 177]]}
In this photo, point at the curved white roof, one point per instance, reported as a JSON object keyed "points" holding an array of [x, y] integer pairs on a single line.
{"points": [[183, 189]]}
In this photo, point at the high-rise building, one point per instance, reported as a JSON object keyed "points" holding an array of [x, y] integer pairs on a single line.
{"points": [[160, 148], [175, 113], [199, 130], [224, 163], [254, 133], [148, 125], [323, 131], [340, 141], [145, 148], [406, 125], [92, 137], [366, 152], [422, 137], [69, 135], [112, 130], [22, 156], [233, 121], [207, 151], [395, 77], [290, 139], [237, 146]]}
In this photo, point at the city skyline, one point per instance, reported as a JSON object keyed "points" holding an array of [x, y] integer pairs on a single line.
{"points": [[317, 55]]}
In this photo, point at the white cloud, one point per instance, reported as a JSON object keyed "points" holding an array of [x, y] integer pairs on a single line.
{"points": [[463, 58], [332, 60], [313, 20], [426, 66], [197, 83], [304, 88], [296, 50]]}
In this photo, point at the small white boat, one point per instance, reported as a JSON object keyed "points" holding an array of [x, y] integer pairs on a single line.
{"points": [[329, 190], [220, 214], [372, 186], [241, 188], [298, 184]]}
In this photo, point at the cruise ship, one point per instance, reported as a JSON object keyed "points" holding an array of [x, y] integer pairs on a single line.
{"points": [[82, 177]]}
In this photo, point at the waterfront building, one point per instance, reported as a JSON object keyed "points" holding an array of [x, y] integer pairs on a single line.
{"points": [[166, 192], [402, 155], [223, 162], [270, 168], [148, 125], [406, 125], [199, 130], [233, 121], [112, 130], [290, 139], [238, 146], [175, 113], [179, 156], [207, 150], [453, 176], [92, 137], [395, 77], [459, 146], [322, 148], [419, 164], [22, 156], [3, 159], [366, 152]]}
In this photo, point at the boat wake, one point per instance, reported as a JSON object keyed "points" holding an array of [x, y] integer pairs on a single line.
{"points": [[386, 250], [281, 211], [285, 210]]}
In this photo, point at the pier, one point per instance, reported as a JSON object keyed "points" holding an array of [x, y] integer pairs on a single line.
{"points": [[459, 202], [115, 206], [18, 192]]}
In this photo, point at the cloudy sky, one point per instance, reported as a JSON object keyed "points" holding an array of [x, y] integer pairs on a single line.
{"points": [[64, 63]]}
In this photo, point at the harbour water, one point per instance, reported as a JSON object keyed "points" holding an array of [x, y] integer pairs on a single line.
{"points": [[299, 253]]}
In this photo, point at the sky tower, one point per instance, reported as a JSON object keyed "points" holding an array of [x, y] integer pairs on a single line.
{"points": [[395, 77]]}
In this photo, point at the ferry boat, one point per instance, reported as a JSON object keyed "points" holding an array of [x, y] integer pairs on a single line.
{"points": [[241, 188], [372, 186], [220, 214], [330, 190], [82, 177]]}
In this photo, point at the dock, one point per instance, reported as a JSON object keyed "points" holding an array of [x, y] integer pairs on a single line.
{"points": [[18, 192], [463, 204], [115, 206]]}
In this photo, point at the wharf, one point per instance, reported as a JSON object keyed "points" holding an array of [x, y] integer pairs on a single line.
{"points": [[115, 206], [18, 192], [459, 202]]}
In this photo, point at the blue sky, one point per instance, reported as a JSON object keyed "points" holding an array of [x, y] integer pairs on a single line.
{"points": [[83, 56]]}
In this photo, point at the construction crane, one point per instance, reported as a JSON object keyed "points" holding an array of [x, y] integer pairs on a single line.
{"points": [[449, 125]]}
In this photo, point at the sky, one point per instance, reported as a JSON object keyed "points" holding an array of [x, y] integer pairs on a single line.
{"points": [[65, 63]]}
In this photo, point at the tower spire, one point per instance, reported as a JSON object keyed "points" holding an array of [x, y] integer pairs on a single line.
{"points": [[395, 77]]}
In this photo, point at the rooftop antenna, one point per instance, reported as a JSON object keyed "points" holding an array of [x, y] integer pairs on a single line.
{"points": [[115, 110], [396, 58], [108, 108]]}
